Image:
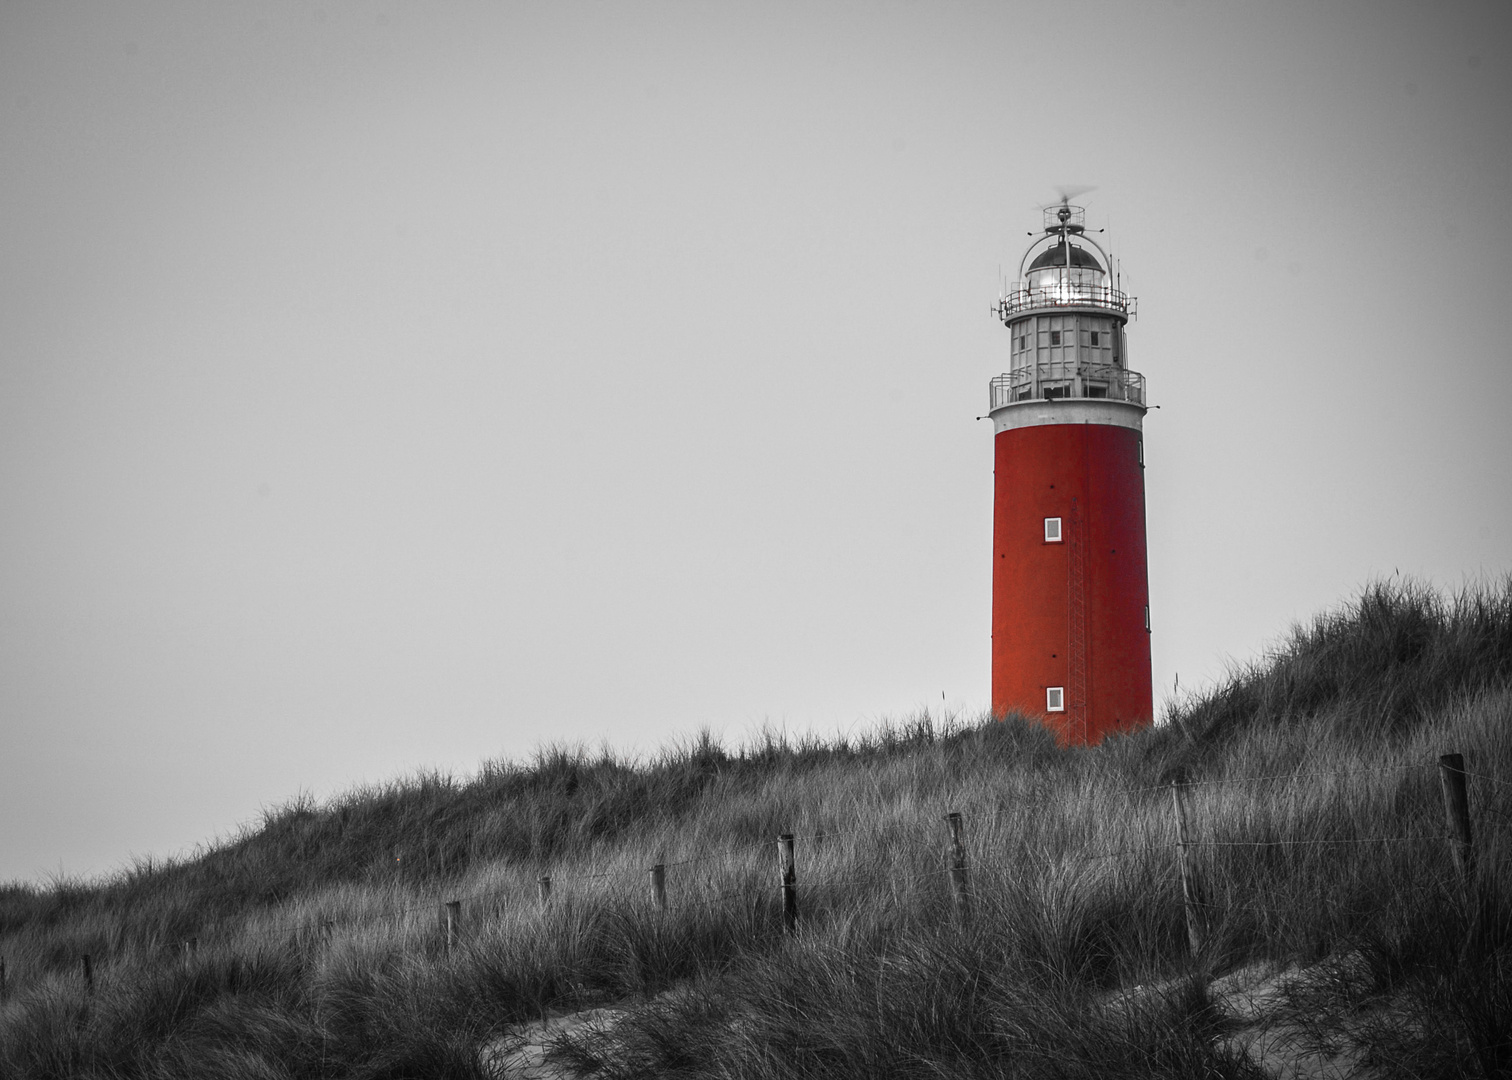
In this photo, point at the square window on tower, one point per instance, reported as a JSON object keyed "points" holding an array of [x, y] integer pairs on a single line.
{"points": [[1055, 699], [1055, 337], [1052, 530], [1096, 337]]}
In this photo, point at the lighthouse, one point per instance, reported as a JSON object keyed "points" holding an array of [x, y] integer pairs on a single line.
{"points": [[1070, 588]]}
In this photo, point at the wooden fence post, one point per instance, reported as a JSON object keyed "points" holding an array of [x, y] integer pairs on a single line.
{"points": [[789, 882], [88, 973], [659, 886], [190, 946], [452, 918], [955, 854], [543, 887], [1189, 896], [1457, 811]]}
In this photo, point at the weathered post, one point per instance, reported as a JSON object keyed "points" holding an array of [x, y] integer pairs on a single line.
{"points": [[453, 919], [190, 946], [543, 887], [955, 854], [88, 972], [659, 886], [1457, 812], [789, 882], [1184, 858]]}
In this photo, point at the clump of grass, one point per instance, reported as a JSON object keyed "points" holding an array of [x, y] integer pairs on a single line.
{"points": [[1316, 822], [1375, 668]]}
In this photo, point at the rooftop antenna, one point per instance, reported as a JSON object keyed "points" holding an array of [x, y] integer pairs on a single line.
{"points": [[1065, 215], [1067, 192], [1112, 259]]}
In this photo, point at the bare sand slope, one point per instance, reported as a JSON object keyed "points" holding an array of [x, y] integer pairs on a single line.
{"points": [[1268, 1007]]}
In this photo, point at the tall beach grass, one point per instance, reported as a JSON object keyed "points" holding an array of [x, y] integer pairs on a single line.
{"points": [[1318, 838]]}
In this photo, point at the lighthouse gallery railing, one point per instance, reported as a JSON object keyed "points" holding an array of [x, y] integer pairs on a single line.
{"points": [[1063, 294], [1067, 380]]}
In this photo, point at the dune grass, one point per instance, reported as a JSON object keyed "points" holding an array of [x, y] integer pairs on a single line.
{"points": [[1318, 835]]}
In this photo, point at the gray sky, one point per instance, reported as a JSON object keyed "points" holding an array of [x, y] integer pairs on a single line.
{"points": [[392, 386]]}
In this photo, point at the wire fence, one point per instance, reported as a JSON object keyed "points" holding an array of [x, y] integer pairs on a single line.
{"points": [[1171, 845], [619, 879]]}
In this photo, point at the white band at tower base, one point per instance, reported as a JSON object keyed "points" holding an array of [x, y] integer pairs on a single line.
{"points": [[1039, 412]]}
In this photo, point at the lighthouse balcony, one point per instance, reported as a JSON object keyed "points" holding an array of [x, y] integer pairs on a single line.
{"points": [[1048, 381], [1064, 294]]}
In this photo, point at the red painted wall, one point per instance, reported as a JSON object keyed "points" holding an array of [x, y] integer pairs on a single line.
{"points": [[1040, 471]]}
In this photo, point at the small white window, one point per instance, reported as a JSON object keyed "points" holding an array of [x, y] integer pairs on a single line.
{"points": [[1147, 618], [1052, 531], [1055, 699]]}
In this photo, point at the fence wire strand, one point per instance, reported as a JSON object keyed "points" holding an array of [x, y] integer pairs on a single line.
{"points": [[979, 864]]}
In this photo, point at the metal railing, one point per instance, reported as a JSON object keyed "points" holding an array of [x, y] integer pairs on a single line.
{"points": [[1067, 380], [1064, 295]]}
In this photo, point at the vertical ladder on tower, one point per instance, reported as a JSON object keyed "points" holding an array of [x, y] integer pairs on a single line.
{"points": [[1076, 730]]}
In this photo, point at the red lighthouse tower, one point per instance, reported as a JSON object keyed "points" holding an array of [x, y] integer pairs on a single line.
{"points": [[1070, 591]]}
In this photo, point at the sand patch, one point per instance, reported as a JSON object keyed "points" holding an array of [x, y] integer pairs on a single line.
{"points": [[542, 1050]]}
